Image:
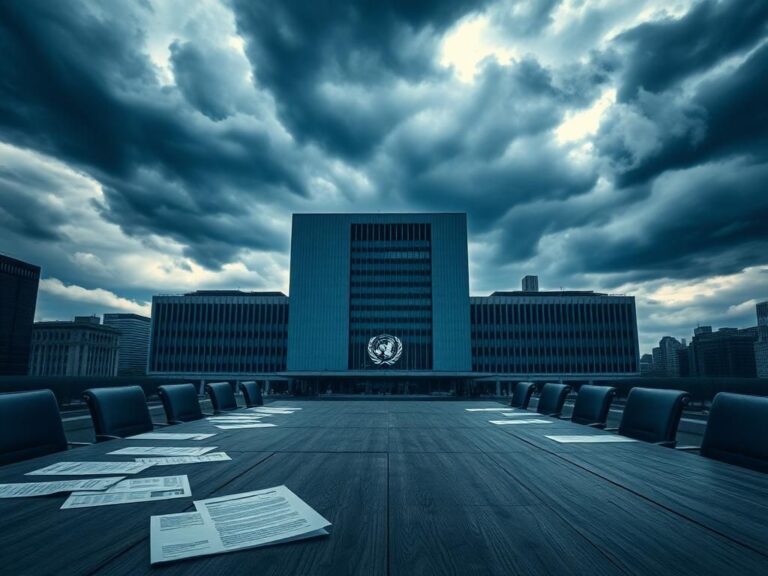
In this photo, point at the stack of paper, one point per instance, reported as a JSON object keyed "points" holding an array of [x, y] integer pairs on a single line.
{"points": [[27, 489], [169, 436], [161, 451], [89, 468], [133, 490], [233, 523], [210, 457]]}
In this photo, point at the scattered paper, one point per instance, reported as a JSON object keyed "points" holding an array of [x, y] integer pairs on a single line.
{"points": [[161, 451], [238, 426], [172, 460], [28, 489], [170, 436], [133, 490], [248, 419], [509, 422], [594, 439], [234, 522], [488, 409], [516, 414], [92, 468]]}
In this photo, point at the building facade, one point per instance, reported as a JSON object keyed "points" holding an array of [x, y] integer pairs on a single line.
{"points": [[83, 347], [18, 298], [761, 346], [218, 333], [134, 342], [726, 352]]}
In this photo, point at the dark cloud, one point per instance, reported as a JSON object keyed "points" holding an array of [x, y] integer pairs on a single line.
{"points": [[664, 52], [524, 17]]}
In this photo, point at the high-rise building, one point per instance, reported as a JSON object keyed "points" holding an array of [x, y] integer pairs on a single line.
{"points": [[668, 363], [83, 347], [18, 298], [761, 346], [727, 352], [530, 284], [646, 364], [134, 342], [218, 333]]}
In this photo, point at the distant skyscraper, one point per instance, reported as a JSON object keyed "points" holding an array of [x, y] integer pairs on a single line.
{"points": [[531, 284], [762, 313], [727, 352], [646, 364], [668, 362], [18, 298], [761, 346], [134, 342], [82, 347]]}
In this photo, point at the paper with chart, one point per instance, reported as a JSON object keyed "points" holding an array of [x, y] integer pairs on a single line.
{"points": [[131, 491], [173, 460], [234, 522], [508, 422], [593, 439], [161, 451], [28, 489], [239, 426], [170, 436], [89, 468]]}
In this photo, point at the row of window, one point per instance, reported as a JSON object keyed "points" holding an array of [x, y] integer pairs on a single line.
{"points": [[394, 232]]}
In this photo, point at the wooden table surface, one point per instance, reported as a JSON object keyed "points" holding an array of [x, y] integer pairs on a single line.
{"points": [[417, 488]]}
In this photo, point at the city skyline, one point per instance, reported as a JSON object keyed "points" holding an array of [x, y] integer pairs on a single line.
{"points": [[617, 147]]}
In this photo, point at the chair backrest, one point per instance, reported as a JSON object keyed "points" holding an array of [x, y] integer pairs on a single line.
{"points": [[222, 396], [592, 404], [552, 398], [30, 426], [252, 393], [180, 402], [737, 431], [121, 411], [652, 415], [522, 394]]}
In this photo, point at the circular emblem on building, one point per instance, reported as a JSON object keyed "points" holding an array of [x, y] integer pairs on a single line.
{"points": [[385, 349]]}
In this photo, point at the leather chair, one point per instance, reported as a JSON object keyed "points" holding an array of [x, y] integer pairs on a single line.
{"points": [[30, 426], [552, 398], [592, 405], [737, 431], [522, 395], [252, 393], [118, 412], [653, 415], [180, 402], [222, 397]]}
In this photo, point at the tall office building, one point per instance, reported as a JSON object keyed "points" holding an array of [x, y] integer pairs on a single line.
{"points": [[668, 361], [83, 347], [530, 284], [18, 298], [134, 342], [218, 334], [761, 346], [557, 334], [727, 352]]}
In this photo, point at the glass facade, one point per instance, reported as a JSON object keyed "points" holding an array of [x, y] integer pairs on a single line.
{"points": [[390, 293], [557, 335], [18, 298], [236, 333]]}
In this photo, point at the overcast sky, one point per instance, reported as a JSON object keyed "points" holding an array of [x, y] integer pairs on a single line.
{"points": [[161, 146]]}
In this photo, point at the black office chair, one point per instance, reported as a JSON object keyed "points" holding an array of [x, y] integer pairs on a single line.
{"points": [[30, 426], [522, 395], [737, 431], [180, 402], [118, 412], [552, 398], [222, 397], [652, 415], [252, 393], [592, 405]]}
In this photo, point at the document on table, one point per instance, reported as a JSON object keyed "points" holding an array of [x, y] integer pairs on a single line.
{"points": [[508, 422], [133, 490], [161, 451], [270, 411], [516, 414], [89, 468], [594, 439], [234, 522], [28, 489], [170, 436], [172, 460], [488, 409], [238, 426], [244, 417]]}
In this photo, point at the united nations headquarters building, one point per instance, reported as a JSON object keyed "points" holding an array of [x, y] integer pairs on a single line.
{"points": [[381, 303]]}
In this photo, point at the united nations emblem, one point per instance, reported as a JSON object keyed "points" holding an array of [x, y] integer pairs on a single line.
{"points": [[385, 349]]}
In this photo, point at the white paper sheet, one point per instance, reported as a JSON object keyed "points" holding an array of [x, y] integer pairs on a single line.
{"points": [[173, 460], [488, 409], [517, 414], [270, 411], [238, 426], [509, 422], [245, 418], [28, 489], [170, 436], [161, 451], [233, 523], [89, 468], [131, 491], [595, 439]]}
